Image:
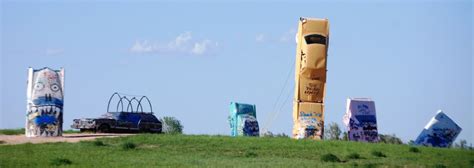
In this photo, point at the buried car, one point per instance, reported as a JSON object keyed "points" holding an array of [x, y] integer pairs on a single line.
{"points": [[122, 121]]}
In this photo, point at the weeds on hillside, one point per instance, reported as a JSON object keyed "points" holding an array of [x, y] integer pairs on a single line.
{"points": [[60, 161], [414, 150], [353, 156], [378, 154], [98, 143], [12, 131], [128, 145], [250, 154], [330, 158], [439, 165]]}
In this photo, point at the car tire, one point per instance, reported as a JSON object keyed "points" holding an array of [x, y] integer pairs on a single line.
{"points": [[104, 128]]}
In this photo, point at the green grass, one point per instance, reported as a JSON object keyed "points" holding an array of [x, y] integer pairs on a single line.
{"points": [[378, 154], [12, 131], [128, 145], [353, 156], [330, 158], [414, 150], [98, 143], [20, 131], [153, 150], [60, 161]]}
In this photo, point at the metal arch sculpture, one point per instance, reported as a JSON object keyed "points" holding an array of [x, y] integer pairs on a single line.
{"points": [[110, 100], [129, 102], [149, 103], [130, 105]]}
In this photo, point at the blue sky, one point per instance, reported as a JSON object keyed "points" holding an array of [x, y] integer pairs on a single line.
{"points": [[193, 58]]}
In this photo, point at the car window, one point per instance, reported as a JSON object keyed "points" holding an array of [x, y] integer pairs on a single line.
{"points": [[315, 39], [149, 118]]}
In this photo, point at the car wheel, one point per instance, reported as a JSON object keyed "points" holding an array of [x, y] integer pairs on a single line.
{"points": [[144, 129], [104, 128]]}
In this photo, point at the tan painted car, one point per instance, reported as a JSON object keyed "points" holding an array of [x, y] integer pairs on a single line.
{"points": [[311, 54]]}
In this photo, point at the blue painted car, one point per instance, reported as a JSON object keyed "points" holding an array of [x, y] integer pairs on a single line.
{"points": [[120, 122], [243, 120]]}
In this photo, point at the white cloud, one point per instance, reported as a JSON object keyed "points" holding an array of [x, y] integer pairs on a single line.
{"points": [[182, 44], [181, 39], [54, 51], [288, 36], [201, 47], [260, 38], [141, 47]]}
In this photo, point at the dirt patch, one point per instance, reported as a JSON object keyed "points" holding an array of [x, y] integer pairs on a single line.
{"points": [[76, 137]]}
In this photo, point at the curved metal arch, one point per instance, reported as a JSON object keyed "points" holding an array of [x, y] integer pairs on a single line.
{"points": [[110, 100], [124, 97], [120, 102], [149, 102], [130, 105]]}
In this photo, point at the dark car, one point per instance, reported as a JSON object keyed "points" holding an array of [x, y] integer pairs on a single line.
{"points": [[120, 122], [129, 120]]}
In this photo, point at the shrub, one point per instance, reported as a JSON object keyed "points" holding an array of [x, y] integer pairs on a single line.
{"points": [[60, 161], [353, 156], [332, 132], [390, 139], [378, 154], [172, 125], [128, 145], [414, 150], [330, 158]]}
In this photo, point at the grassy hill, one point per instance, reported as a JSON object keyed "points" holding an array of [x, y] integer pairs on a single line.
{"points": [[151, 150]]}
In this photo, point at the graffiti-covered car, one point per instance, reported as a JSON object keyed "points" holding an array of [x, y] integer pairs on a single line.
{"points": [[243, 120], [45, 99], [127, 119], [120, 122]]}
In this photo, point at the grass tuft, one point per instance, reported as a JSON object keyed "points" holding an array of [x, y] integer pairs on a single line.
{"points": [[330, 158], [353, 156], [370, 165], [414, 150], [439, 165], [98, 143], [128, 145], [378, 154], [250, 154], [60, 161]]}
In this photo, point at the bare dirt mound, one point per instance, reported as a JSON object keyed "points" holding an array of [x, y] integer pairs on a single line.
{"points": [[76, 137]]}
